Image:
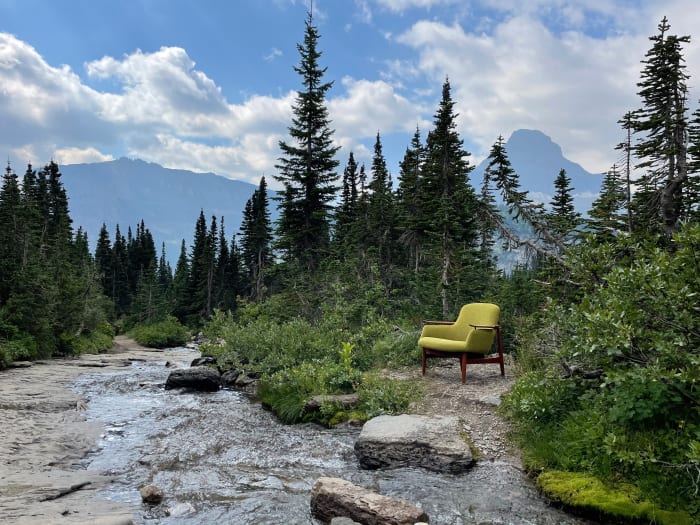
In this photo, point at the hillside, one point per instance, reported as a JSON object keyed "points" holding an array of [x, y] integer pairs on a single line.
{"points": [[125, 191]]}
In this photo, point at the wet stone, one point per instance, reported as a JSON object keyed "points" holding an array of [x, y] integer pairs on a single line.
{"points": [[433, 443]]}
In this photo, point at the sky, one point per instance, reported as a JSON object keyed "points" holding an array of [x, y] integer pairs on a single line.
{"points": [[208, 85]]}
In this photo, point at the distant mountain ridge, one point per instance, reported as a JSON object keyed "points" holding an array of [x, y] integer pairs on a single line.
{"points": [[125, 191], [537, 159]]}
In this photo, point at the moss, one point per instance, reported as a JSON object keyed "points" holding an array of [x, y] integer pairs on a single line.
{"points": [[588, 494]]}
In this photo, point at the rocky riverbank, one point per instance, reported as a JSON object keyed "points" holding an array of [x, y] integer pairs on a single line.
{"points": [[45, 435]]}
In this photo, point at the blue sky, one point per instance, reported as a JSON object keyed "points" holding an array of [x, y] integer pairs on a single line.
{"points": [[208, 85]]}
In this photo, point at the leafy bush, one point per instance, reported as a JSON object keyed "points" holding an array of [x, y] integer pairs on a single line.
{"points": [[616, 392], [382, 396], [100, 340], [164, 334]]}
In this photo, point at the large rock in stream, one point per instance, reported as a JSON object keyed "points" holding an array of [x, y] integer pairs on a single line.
{"points": [[433, 443], [334, 497], [198, 378]]}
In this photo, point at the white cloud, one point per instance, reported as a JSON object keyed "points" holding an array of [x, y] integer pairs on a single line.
{"points": [[80, 156], [371, 106], [274, 53], [399, 6], [572, 86]]}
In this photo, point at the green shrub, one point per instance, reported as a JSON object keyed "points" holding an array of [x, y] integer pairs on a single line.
{"points": [[615, 393], [383, 396], [164, 334]]}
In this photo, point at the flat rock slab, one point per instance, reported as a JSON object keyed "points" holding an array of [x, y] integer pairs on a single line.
{"points": [[333, 498], [433, 443]]}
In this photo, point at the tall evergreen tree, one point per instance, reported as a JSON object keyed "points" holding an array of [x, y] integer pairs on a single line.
{"points": [[409, 211], [179, 293], [346, 212], [307, 166], [605, 213], [121, 288], [11, 234], [563, 217], [256, 240], [380, 218], [446, 192], [661, 126], [104, 262]]}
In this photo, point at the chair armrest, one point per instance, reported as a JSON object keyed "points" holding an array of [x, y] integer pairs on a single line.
{"points": [[439, 322], [485, 326]]}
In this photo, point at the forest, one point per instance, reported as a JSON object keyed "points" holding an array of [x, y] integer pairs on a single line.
{"points": [[601, 323]]}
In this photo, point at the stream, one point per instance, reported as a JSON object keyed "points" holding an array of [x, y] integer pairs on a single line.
{"points": [[222, 458]]}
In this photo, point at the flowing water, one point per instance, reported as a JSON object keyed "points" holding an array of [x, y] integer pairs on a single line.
{"points": [[222, 458]]}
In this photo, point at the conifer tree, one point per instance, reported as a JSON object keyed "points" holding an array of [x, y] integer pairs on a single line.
{"points": [[104, 262], [661, 126], [256, 240], [165, 272], [605, 213], [449, 200], [307, 166], [121, 288], [380, 211], [346, 212], [226, 275], [179, 294], [563, 217], [11, 226], [409, 211]]}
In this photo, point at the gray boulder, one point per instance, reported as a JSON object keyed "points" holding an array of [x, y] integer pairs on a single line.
{"points": [[433, 443], [204, 360], [334, 497], [228, 378], [198, 378]]}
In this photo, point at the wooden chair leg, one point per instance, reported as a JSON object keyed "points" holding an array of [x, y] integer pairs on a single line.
{"points": [[423, 360], [500, 350], [463, 366]]}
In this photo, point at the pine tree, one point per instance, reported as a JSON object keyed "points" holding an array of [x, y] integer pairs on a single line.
{"points": [[563, 217], [226, 279], [692, 199], [104, 262], [380, 211], [256, 240], [605, 213], [307, 166], [662, 127], [449, 202], [409, 211], [165, 272], [346, 212], [179, 293], [11, 232], [121, 288]]}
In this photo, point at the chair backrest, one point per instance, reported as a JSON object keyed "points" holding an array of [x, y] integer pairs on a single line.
{"points": [[486, 314]]}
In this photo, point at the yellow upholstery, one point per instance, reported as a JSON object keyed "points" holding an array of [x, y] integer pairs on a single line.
{"points": [[464, 335], [469, 338]]}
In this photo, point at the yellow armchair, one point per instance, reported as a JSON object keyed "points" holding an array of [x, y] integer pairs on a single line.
{"points": [[468, 339]]}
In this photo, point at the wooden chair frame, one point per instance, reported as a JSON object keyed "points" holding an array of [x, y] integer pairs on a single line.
{"points": [[466, 357]]}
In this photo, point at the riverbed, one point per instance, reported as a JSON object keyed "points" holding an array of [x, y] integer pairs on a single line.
{"points": [[218, 457]]}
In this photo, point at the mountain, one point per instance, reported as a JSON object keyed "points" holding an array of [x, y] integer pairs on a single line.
{"points": [[125, 191], [537, 160]]}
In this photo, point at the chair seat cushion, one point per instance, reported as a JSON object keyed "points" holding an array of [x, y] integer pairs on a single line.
{"points": [[444, 345]]}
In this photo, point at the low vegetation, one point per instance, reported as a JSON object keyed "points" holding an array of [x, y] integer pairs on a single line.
{"points": [[161, 334]]}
